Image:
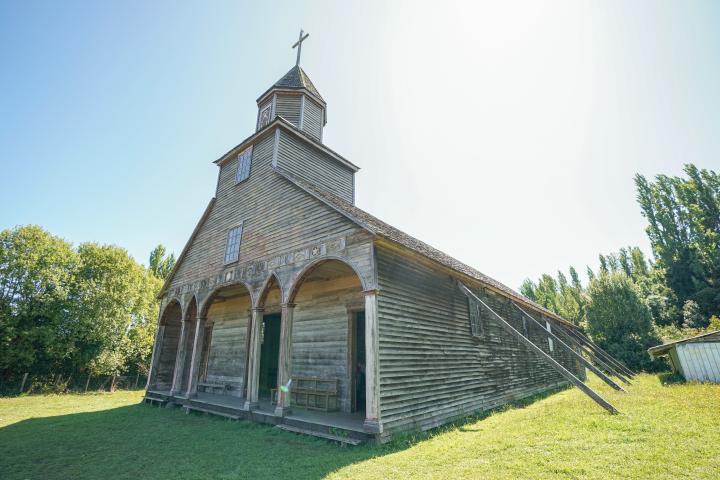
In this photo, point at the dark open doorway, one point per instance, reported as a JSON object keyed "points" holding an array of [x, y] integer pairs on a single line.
{"points": [[269, 352], [357, 360]]}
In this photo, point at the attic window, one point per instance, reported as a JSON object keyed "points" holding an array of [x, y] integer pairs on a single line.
{"points": [[476, 325], [244, 162], [232, 247]]}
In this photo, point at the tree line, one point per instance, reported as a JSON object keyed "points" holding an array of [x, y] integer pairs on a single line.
{"points": [[90, 309], [631, 302]]}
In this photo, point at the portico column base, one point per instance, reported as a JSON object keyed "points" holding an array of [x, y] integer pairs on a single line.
{"points": [[251, 405], [282, 411], [372, 426]]}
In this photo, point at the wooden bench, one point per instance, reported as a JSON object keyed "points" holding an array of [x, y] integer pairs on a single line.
{"points": [[214, 387], [313, 393]]}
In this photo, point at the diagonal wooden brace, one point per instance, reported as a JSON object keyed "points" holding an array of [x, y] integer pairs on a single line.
{"points": [[582, 359], [537, 350]]}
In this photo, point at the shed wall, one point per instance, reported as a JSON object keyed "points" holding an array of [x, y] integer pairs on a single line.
{"points": [[700, 361]]}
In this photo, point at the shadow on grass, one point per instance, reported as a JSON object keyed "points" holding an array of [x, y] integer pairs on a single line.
{"points": [[140, 441], [671, 378]]}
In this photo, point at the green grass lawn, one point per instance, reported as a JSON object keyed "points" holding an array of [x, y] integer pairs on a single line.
{"points": [[663, 432]]}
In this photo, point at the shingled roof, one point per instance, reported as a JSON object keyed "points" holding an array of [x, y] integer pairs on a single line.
{"points": [[296, 78], [387, 231]]}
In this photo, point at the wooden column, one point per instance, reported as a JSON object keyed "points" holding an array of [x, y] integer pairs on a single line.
{"points": [[253, 359], [155, 361], [180, 359], [372, 423], [196, 356], [285, 359]]}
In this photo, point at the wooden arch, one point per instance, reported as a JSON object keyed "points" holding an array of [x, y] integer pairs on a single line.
{"points": [[308, 269]]}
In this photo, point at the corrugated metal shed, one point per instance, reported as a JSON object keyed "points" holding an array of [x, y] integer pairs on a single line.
{"points": [[696, 358]]}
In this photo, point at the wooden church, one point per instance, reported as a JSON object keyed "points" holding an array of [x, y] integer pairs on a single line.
{"points": [[291, 306]]}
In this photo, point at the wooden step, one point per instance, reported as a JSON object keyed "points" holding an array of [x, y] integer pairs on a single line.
{"points": [[194, 408], [326, 436]]}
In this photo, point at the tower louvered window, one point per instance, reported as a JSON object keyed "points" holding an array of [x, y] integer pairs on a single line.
{"points": [[232, 247], [244, 163]]}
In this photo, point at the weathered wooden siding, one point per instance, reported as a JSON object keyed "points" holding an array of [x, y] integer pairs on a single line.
{"points": [[313, 119], [226, 362], [431, 368], [310, 164], [277, 218], [320, 331], [700, 361], [288, 107]]}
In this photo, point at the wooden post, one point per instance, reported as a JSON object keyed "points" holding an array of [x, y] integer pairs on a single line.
{"points": [[551, 361], [253, 359], [372, 423], [285, 359], [180, 358], [196, 357], [582, 359], [22, 384], [87, 383], [137, 379]]}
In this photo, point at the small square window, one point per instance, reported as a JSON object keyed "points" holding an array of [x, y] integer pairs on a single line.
{"points": [[232, 247], [244, 163]]}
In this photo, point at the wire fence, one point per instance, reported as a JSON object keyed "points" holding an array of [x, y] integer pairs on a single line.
{"points": [[29, 384]]}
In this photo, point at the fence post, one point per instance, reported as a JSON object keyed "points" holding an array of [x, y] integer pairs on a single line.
{"points": [[22, 384], [87, 384]]}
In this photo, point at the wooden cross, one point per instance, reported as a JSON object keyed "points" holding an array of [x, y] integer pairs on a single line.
{"points": [[298, 44]]}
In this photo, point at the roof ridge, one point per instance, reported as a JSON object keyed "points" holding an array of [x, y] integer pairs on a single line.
{"points": [[383, 229]]}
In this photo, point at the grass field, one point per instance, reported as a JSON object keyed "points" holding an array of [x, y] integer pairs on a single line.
{"points": [[663, 432]]}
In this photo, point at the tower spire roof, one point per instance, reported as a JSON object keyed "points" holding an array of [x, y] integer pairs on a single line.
{"points": [[297, 78]]}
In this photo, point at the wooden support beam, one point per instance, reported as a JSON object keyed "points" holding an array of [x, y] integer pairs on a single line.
{"points": [[606, 356], [582, 359], [534, 348], [609, 369]]}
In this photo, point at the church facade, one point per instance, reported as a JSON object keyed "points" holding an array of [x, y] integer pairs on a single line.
{"points": [[289, 305]]}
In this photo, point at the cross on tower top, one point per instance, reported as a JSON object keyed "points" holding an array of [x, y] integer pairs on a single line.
{"points": [[298, 44]]}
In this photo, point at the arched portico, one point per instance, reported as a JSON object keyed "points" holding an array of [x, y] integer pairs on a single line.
{"points": [[166, 346], [184, 352], [322, 326], [219, 347]]}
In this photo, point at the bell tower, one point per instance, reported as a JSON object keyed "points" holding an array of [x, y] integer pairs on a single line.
{"points": [[295, 98]]}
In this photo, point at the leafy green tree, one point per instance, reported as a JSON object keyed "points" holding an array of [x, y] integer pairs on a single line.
{"points": [[36, 271], [692, 317], [161, 264], [619, 320], [684, 230], [64, 310], [113, 296]]}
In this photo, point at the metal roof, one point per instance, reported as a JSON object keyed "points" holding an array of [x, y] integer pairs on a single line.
{"points": [[661, 350]]}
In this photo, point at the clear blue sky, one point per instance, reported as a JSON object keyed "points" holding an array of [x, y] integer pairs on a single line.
{"points": [[504, 133]]}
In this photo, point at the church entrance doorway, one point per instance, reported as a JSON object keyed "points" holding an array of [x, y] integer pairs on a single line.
{"points": [[269, 352]]}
